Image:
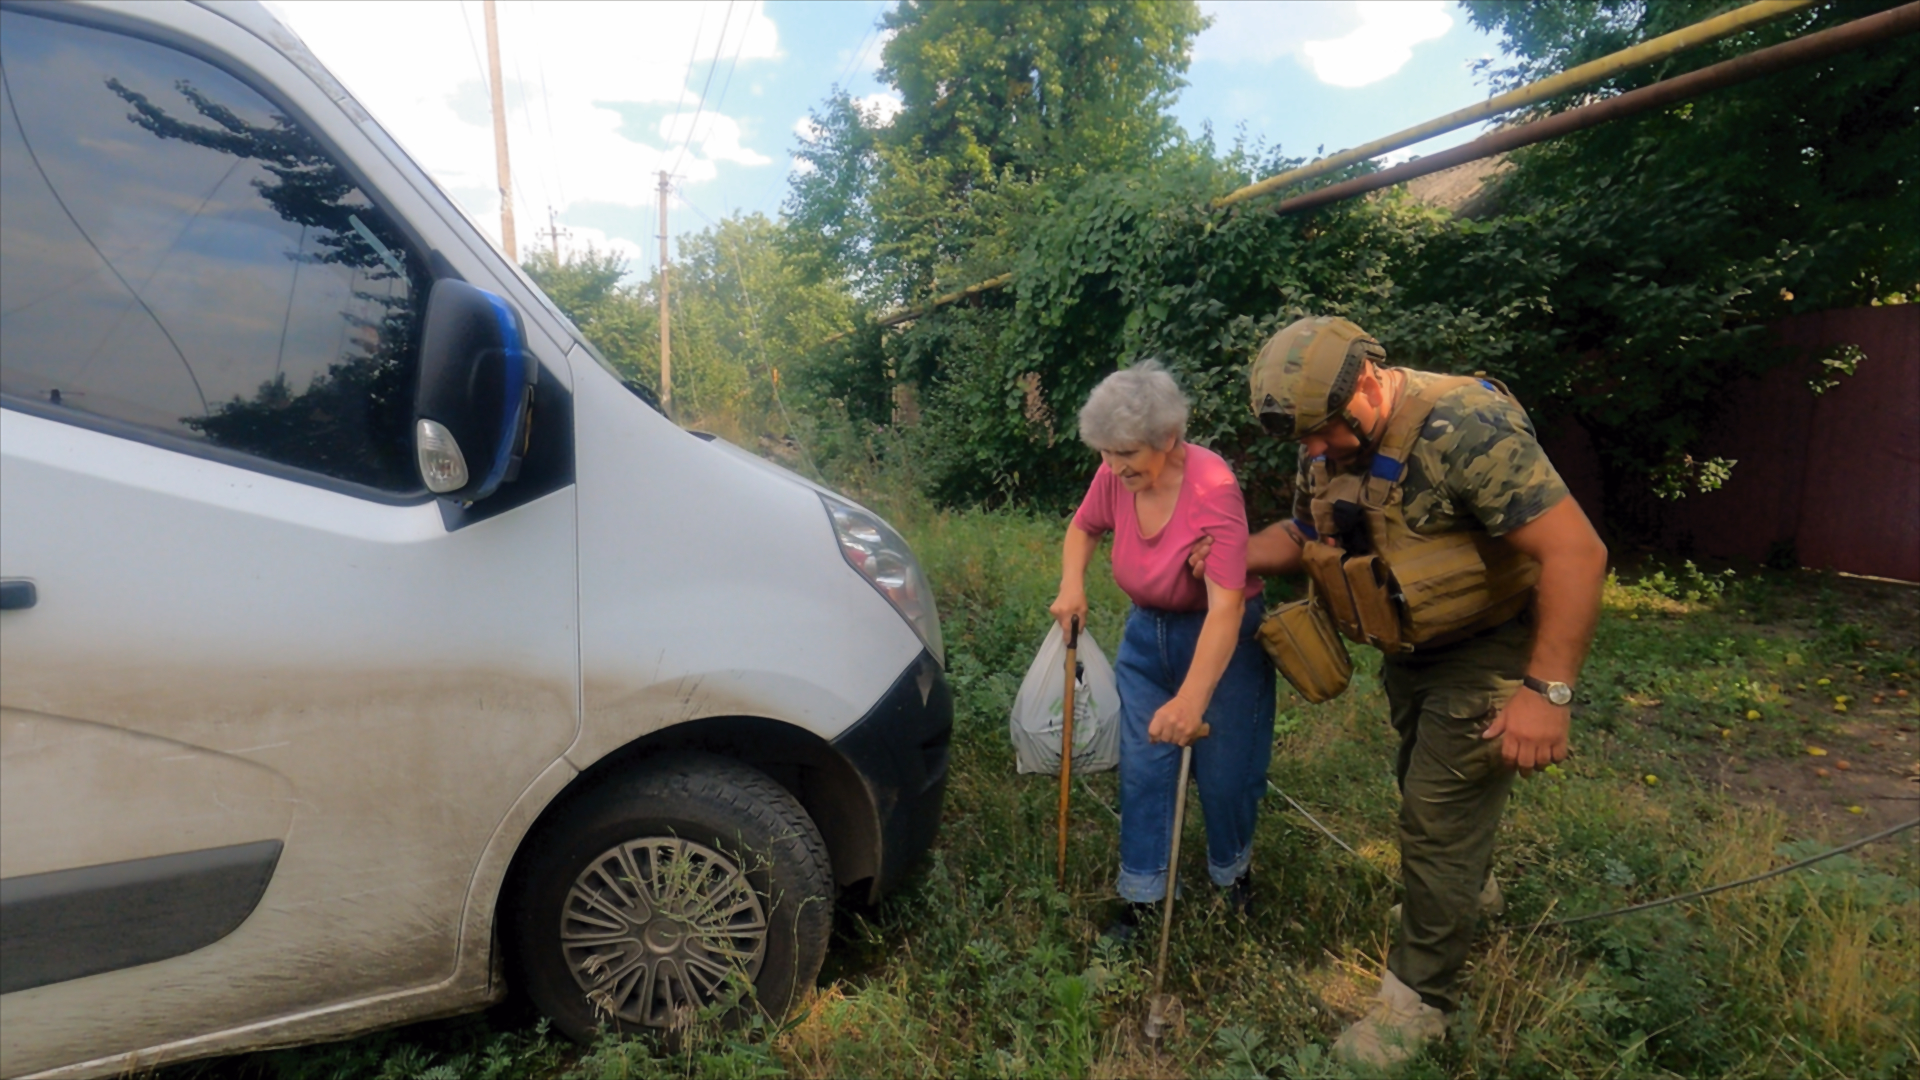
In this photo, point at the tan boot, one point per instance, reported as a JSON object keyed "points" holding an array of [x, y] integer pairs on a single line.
{"points": [[1398, 1025], [1492, 903]]}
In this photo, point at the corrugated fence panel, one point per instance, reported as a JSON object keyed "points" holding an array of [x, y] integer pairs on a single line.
{"points": [[1834, 478], [1865, 436]]}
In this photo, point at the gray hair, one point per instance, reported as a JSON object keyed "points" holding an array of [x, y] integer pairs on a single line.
{"points": [[1136, 406]]}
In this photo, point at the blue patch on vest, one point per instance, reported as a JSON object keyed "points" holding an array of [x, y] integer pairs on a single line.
{"points": [[1388, 469], [1306, 529]]}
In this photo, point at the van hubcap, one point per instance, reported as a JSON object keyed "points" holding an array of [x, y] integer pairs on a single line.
{"points": [[654, 929]]}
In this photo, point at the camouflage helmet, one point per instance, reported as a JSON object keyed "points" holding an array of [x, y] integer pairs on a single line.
{"points": [[1305, 374]]}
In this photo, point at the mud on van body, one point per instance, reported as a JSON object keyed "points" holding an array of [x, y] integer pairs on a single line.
{"points": [[366, 644]]}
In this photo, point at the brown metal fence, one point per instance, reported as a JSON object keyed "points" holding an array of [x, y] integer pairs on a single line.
{"points": [[1830, 479]]}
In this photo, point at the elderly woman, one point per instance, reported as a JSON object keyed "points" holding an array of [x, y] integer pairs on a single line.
{"points": [[1189, 655]]}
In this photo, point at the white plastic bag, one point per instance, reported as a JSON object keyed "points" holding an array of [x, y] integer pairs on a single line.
{"points": [[1035, 722]]}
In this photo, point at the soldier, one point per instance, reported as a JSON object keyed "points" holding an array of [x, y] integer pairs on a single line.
{"points": [[1432, 526]]}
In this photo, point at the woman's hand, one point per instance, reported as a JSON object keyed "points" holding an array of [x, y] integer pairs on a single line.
{"points": [[1069, 604], [1180, 722]]}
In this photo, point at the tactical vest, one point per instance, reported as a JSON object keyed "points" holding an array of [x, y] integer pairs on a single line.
{"points": [[1410, 591]]}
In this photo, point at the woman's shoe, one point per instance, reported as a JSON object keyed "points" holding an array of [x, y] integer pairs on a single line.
{"points": [[1240, 895], [1126, 921]]}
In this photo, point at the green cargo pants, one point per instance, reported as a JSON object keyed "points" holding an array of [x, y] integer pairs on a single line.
{"points": [[1453, 787]]}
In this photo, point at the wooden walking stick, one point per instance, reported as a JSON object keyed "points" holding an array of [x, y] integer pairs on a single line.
{"points": [[1066, 745], [1164, 1009]]}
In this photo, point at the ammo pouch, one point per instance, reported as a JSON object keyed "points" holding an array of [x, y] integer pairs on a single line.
{"points": [[1452, 585], [1300, 640], [1358, 593], [1410, 591]]}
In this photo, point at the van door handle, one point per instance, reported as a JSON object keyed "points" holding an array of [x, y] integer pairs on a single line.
{"points": [[17, 594]]}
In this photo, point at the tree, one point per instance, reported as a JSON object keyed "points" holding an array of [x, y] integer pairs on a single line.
{"points": [[742, 310], [1625, 277], [1006, 107], [1633, 268]]}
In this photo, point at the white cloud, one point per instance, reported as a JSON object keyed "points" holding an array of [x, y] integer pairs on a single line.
{"points": [[1381, 45], [880, 108], [1261, 31], [585, 86], [576, 239], [717, 136], [1343, 42]]}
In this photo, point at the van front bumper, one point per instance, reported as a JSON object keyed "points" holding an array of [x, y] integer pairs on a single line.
{"points": [[900, 751]]}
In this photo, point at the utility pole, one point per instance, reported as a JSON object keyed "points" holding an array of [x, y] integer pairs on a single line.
{"points": [[553, 233], [666, 350], [500, 133]]}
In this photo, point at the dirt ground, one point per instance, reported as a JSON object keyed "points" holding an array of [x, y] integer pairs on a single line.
{"points": [[1870, 764]]}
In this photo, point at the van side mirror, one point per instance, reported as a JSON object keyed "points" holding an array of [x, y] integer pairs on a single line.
{"points": [[472, 408]]}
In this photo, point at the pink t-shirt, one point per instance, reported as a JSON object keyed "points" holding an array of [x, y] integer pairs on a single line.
{"points": [[1153, 571]]}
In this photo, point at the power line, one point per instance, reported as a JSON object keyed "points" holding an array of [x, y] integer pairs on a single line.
{"points": [[854, 60], [708, 85], [479, 65], [546, 107], [727, 84], [542, 165], [692, 55], [759, 340]]}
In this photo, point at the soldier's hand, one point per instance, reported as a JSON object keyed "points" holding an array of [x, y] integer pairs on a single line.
{"points": [[1532, 732], [1197, 557]]}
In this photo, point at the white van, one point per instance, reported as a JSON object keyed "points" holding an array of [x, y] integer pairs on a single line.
{"points": [[366, 642]]}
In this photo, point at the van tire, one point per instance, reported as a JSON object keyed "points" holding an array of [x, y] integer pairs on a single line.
{"points": [[672, 831]]}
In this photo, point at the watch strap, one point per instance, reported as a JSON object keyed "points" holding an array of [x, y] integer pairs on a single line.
{"points": [[1545, 688]]}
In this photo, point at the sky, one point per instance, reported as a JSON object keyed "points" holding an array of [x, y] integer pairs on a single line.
{"points": [[600, 97]]}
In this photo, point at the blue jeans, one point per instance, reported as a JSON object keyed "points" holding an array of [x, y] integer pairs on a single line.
{"points": [[1230, 764]]}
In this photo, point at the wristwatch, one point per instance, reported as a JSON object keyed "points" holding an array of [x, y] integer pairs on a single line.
{"points": [[1558, 693]]}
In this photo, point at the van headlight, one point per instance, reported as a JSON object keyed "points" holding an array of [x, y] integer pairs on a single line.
{"points": [[882, 557]]}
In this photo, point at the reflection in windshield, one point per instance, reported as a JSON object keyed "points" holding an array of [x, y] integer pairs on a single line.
{"points": [[181, 255]]}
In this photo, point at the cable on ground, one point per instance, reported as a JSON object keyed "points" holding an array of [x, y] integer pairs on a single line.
{"points": [[1650, 904], [1711, 889]]}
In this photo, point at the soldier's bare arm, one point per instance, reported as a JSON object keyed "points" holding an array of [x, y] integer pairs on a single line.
{"points": [[1573, 566], [1275, 550], [1272, 551]]}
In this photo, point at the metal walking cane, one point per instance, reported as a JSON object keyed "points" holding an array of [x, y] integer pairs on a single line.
{"points": [[1163, 1008], [1066, 746]]}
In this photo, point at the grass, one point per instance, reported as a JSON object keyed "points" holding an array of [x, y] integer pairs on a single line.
{"points": [[979, 967]]}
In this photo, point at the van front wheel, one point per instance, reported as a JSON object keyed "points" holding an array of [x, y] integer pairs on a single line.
{"points": [[691, 886]]}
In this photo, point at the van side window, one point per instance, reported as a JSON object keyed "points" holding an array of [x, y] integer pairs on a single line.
{"points": [[178, 255]]}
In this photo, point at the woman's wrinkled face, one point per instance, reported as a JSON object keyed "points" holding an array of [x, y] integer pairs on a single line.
{"points": [[1140, 465]]}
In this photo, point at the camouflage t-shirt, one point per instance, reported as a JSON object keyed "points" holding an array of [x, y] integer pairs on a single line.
{"points": [[1477, 465]]}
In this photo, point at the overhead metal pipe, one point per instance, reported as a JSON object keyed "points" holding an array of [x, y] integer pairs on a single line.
{"points": [[908, 314], [1709, 30], [1577, 78], [1802, 50]]}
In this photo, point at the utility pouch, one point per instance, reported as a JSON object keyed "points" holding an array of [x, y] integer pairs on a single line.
{"points": [[1300, 640], [1459, 583], [1330, 581], [1370, 587]]}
